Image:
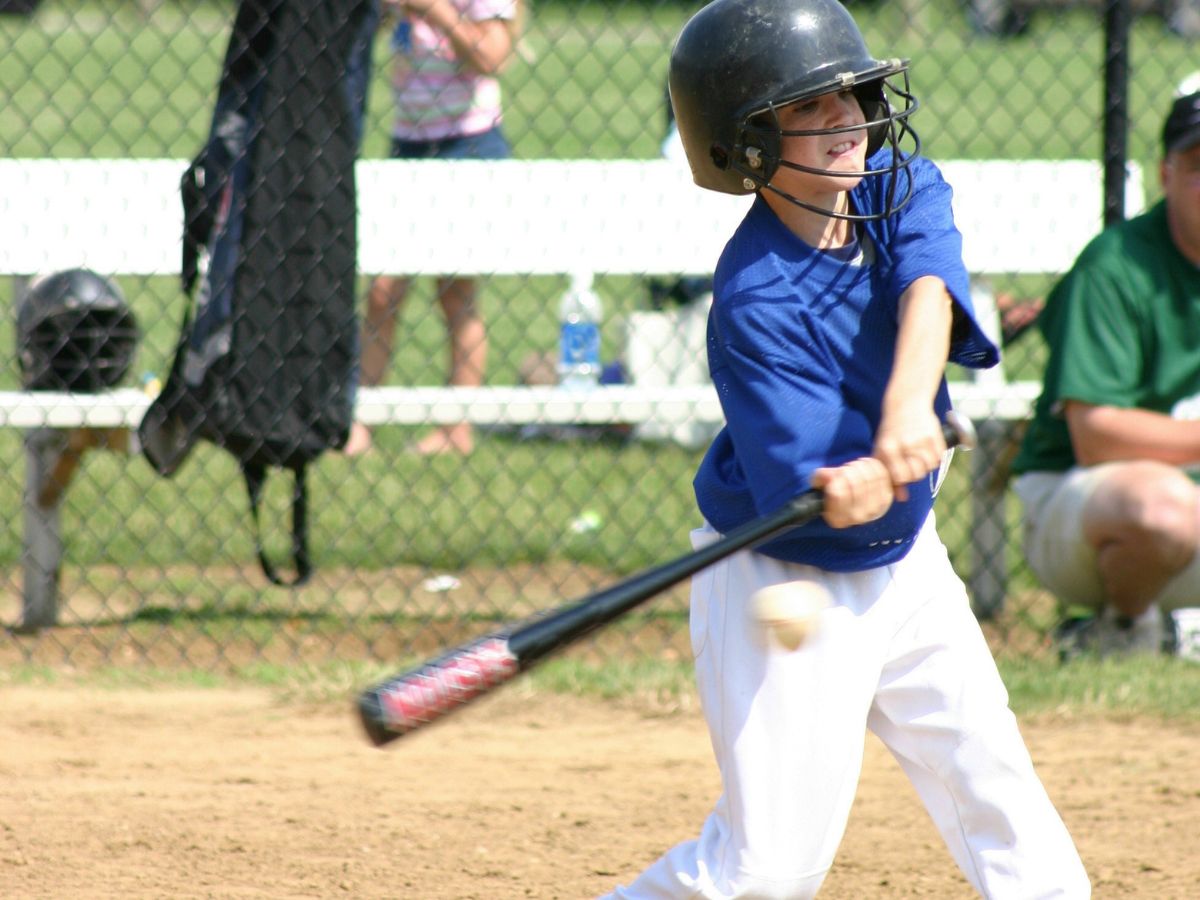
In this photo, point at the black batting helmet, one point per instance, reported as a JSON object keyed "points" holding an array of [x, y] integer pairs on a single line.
{"points": [[736, 62], [75, 332]]}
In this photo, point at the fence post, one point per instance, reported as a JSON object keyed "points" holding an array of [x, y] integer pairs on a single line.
{"points": [[989, 522], [1116, 108]]}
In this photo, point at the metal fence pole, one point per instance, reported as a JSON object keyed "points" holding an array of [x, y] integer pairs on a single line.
{"points": [[1116, 108]]}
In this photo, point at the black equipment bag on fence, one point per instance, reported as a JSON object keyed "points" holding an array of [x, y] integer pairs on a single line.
{"points": [[266, 364]]}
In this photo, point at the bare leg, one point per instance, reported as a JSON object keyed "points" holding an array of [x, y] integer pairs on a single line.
{"points": [[468, 356], [385, 298], [1144, 522]]}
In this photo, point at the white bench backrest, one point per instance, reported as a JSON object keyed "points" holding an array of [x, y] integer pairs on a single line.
{"points": [[123, 217], [117, 216], [1031, 216], [541, 217]]}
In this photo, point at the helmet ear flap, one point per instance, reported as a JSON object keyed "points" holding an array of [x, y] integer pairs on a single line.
{"points": [[760, 146], [876, 108]]}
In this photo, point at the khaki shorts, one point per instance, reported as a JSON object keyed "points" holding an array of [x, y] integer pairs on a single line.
{"points": [[1053, 532], [1055, 547]]}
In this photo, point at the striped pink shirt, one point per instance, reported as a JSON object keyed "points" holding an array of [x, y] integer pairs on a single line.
{"points": [[435, 96]]}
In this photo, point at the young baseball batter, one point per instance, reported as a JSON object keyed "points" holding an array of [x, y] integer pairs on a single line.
{"points": [[837, 303]]}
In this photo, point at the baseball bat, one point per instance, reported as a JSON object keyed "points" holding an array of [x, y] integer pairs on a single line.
{"points": [[414, 698]]}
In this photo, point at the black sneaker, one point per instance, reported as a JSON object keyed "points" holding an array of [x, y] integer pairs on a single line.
{"points": [[1074, 636], [1104, 634]]}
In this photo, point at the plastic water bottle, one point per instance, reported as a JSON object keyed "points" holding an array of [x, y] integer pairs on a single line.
{"points": [[579, 337]]}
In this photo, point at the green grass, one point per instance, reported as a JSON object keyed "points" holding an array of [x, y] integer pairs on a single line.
{"points": [[91, 78], [512, 501], [1162, 687], [1159, 688], [1165, 688]]}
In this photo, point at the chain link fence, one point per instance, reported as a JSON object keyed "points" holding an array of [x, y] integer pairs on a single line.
{"points": [[114, 564]]}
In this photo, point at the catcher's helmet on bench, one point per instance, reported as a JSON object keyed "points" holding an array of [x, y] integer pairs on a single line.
{"points": [[75, 332]]}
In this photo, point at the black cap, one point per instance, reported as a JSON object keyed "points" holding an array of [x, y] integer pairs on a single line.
{"points": [[1182, 128]]}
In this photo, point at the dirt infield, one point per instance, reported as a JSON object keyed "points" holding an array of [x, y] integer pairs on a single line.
{"points": [[233, 793]]}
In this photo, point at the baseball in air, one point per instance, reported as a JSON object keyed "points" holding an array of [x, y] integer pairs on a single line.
{"points": [[790, 611]]}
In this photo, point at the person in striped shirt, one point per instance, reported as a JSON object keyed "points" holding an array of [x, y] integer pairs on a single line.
{"points": [[447, 56]]}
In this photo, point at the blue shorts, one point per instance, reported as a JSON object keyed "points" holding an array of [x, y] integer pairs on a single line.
{"points": [[490, 144]]}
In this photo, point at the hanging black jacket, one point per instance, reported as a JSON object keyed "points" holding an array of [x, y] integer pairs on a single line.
{"points": [[267, 361]]}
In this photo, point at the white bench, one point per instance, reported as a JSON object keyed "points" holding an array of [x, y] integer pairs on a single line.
{"points": [[528, 217]]}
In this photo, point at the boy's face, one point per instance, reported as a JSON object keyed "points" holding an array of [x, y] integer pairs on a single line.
{"points": [[833, 153]]}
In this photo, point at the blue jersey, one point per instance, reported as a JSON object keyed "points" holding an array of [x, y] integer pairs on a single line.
{"points": [[801, 344]]}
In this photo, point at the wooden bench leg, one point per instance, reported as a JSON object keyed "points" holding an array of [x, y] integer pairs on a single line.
{"points": [[41, 555], [51, 457]]}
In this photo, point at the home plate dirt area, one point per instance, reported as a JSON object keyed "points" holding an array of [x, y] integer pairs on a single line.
{"points": [[216, 793]]}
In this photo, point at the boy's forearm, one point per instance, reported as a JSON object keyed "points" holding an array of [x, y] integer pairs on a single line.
{"points": [[922, 344]]}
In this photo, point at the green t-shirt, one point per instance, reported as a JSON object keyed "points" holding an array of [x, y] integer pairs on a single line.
{"points": [[1122, 328]]}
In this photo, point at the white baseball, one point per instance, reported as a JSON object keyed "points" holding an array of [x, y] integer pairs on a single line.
{"points": [[790, 611]]}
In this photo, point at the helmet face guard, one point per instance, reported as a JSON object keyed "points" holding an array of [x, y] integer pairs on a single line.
{"points": [[738, 62], [75, 332]]}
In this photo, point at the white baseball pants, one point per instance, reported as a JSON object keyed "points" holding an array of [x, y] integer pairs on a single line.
{"points": [[898, 652]]}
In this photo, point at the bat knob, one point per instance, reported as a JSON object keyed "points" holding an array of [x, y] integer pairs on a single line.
{"points": [[960, 431], [370, 712]]}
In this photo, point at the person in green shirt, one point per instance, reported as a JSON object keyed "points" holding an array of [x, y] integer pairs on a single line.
{"points": [[1106, 469]]}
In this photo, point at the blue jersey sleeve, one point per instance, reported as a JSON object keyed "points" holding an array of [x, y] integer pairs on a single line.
{"points": [[922, 240]]}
